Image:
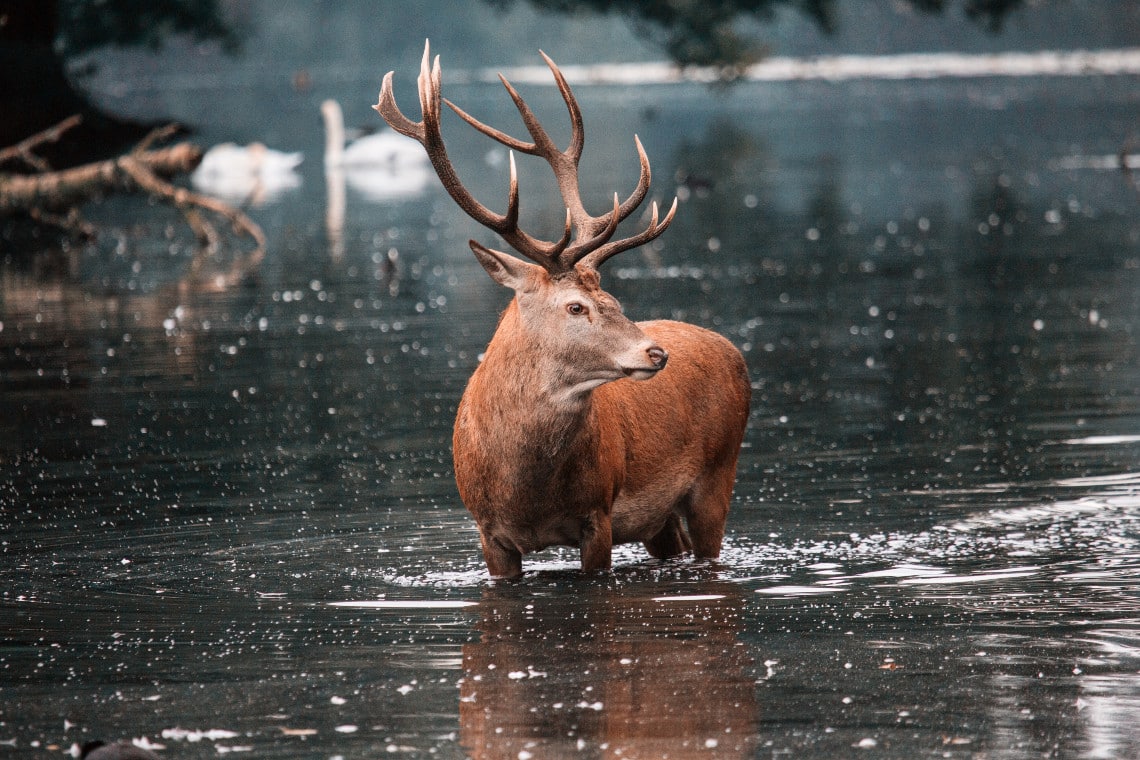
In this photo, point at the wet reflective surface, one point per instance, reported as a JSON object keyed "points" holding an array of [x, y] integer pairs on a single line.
{"points": [[227, 514]]}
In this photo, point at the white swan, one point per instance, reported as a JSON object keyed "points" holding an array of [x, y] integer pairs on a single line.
{"points": [[382, 167], [252, 173]]}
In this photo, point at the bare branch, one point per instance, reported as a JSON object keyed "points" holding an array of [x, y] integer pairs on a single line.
{"points": [[141, 169], [70, 223], [70, 187], [161, 134], [23, 149], [183, 198]]}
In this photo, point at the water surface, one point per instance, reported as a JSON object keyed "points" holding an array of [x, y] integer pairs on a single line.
{"points": [[227, 515]]}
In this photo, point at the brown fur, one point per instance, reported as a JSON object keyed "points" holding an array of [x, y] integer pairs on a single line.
{"points": [[575, 430], [624, 462]]}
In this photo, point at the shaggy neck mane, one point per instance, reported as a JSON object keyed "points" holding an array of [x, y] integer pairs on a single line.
{"points": [[519, 391]]}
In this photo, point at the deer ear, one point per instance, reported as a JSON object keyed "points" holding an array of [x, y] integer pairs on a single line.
{"points": [[505, 269]]}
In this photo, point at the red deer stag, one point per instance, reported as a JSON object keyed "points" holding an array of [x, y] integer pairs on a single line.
{"points": [[572, 431]]}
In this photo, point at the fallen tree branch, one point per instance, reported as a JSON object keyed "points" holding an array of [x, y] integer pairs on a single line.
{"points": [[39, 195], [69, 223], [185, 200], [156, 135], [70, 187], [23, 149]]}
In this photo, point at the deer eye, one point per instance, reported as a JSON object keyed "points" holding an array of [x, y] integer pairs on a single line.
{"points": [[576, 309]]}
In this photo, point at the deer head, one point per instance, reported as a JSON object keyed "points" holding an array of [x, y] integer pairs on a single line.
{"points": [[561, 304]]}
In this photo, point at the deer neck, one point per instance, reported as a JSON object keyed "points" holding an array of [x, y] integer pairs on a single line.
{"points": [[520, 388]]}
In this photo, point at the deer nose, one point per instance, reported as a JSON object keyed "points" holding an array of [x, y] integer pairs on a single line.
{"points": [[657, 356]]}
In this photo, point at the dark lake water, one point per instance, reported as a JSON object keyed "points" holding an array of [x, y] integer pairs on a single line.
{"points": [[227, 515]]}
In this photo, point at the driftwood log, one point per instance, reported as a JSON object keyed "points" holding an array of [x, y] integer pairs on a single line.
{"points": [[45, 193]]}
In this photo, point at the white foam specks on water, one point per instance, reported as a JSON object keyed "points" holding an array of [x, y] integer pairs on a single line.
{"points": [[476, 576], [144, 742], [1046, 514], [968, 552], [948, 579], [1124, 481], [799, 590], [980, 551], [689, 598], [212, 734], [404, 604], [1106, 440], [904, 570], [834, 68]]}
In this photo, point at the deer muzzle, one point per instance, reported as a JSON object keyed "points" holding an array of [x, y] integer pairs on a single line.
{"points": [[656, 357]]}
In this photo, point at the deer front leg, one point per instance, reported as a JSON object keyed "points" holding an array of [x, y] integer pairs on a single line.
{"points": [[597, 543], [502, 561]]}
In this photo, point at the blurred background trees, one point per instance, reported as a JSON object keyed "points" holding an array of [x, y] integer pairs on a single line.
{"points": [[38, 36], [708, 32], [40, 40]]}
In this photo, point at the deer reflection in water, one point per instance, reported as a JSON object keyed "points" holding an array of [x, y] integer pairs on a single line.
{"points": [[609, 674]]}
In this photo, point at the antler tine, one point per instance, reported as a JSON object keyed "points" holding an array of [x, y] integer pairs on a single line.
{"points": [[563, 163], [511, 219], [543, 145], [428, 85], [387, 108], [593, 245], [580, 249], [596, 258], [638, 195], [494, 134], [427, 133], [560, 246], [577, 138]]}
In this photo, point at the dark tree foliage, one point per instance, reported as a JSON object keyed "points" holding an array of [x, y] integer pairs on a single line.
{"points": [[692, 32], [86, 25], [36, 36], [990, 13], [705, 32]]}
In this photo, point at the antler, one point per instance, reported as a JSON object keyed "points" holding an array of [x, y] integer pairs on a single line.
{"points": [[591, 234]]}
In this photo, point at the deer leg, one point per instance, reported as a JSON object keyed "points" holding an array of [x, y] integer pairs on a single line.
{"points": [[706, 510], [502, 561], [670, 541], [597, 543]]}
